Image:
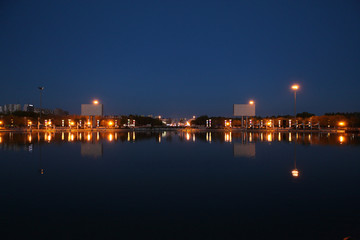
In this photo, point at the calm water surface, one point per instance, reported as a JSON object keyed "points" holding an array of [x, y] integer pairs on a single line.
{"points": [[179, 185]]}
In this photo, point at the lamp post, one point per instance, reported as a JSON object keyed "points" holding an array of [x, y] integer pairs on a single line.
{"points": [[295, 87], [41, 89]]}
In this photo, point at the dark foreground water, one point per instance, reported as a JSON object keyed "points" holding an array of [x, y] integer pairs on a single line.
{"points": [[173, 185]]}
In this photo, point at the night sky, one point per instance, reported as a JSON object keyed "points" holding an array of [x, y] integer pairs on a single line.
{"points": [[182, 58]]}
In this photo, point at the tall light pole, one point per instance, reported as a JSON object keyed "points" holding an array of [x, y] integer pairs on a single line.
{"points": [[295, 87], [41, 89]]}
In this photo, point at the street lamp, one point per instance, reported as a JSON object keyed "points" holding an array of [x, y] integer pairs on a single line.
{"points": [[39, 120], [295, 87]]}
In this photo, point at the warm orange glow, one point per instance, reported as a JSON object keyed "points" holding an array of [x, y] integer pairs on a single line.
{"points": [[95, 102], [29, 138], [110, 137], [295, 87], [188, 124], [228, 137], [269, 137], [0, 139], [72, 123], [88, 137], [341, 124], [188, 136], [341, 139], [49, 137], [269, 123], [251, 102], [295, 173], [111, 123], [1, 122], [227, 123]]}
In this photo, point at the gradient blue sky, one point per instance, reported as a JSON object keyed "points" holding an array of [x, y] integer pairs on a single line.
{"points": [[182, 58]]}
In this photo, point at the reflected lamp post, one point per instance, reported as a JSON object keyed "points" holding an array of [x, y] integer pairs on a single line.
{"points": [[295, 173]]}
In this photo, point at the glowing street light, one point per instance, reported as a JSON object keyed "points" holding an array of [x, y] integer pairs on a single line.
{"points": [[251, 102], [111, 123], [72, 123], [95, 102], [295, 87], [341, 124]]}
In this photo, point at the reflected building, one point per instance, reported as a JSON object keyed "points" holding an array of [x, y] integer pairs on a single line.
{"points": [[244, 150], [94, 150]]}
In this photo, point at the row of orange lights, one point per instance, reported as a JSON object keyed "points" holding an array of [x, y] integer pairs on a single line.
{"points": [[228, 137]]}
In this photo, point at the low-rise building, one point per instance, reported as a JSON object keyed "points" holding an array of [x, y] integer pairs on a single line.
{"points": [[28, 108]]}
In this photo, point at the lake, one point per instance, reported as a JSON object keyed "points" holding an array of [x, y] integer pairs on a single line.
{"points": [[179, 185]]}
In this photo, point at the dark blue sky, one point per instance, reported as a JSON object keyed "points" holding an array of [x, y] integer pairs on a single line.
{"points": [[180, 58]]}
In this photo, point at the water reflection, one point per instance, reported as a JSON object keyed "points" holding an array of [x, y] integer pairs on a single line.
{"points": [[110, 137], [94, 150], [9, 138], [244, 150], [244, 143], [228, 137], [243, 177], [295, 173]]}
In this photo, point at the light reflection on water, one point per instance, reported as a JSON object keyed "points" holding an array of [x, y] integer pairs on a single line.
{"points": [[219, 181], [207, 136]]}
